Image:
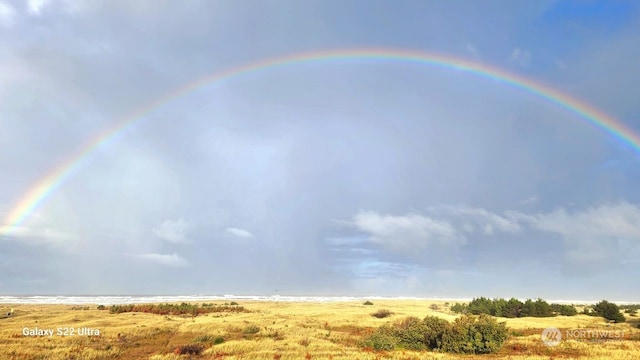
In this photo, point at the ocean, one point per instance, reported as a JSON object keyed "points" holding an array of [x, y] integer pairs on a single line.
{"points": [[142, 299]]}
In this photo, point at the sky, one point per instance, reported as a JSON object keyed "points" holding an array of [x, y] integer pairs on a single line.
{"points": [[349, 178]]}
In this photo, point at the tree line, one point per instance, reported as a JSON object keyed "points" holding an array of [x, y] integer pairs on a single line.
{"points": [[514, 308]]}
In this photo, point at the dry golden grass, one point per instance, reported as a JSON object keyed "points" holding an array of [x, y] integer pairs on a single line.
{"points": [[287, 331]]}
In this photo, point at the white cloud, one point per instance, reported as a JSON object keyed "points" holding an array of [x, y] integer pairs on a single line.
{"points": [[172, 230], [7, 15], [405, 233], [489, 221], [468, 228], [621, 220], [35, 6], [164, 259], [40, 229], [596, 238], [520, 57], [36, 233], [592, 237], [241, 233]]}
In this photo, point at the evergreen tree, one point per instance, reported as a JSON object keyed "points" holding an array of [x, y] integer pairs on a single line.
{"points": [[609, 311]]}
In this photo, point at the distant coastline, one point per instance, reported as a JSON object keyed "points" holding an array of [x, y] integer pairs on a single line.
{"points": [[137, 299]]}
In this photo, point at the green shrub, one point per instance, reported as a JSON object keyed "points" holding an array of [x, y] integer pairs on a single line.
{"points": [[173, 309], [233, 303], [468, 334], [367, 303], [564, 310], [538, 308], [609, 311], [434, 329], [218, 340], [410, 334], [102, 307], [459, 308], [630, 307], [380, 341], [382, 313], [513, 308], [474, 335]]}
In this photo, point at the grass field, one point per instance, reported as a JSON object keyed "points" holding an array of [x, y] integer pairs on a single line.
{"points": [[275, 330]]}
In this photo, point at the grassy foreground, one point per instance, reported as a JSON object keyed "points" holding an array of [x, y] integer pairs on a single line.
{"points": [[270, 330]]}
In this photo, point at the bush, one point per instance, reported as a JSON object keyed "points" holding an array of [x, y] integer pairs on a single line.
{"points": [[474, 335], [514, 308], [459, 308], [380, 341], [468, 334], [173, 309], [564, 310], [481, 305], [410, 334], [609, 311], [630, 307], [538, 308], [102, 307], [434, 329], [382, 313], [367, 303]]}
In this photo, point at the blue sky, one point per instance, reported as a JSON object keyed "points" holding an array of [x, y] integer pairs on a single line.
{"points": [[341, 178]]}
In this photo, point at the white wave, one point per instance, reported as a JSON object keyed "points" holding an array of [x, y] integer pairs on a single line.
{"points": [[133, 299]]}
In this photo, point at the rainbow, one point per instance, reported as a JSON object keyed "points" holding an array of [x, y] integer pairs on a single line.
{"points": [[48, 184]]}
